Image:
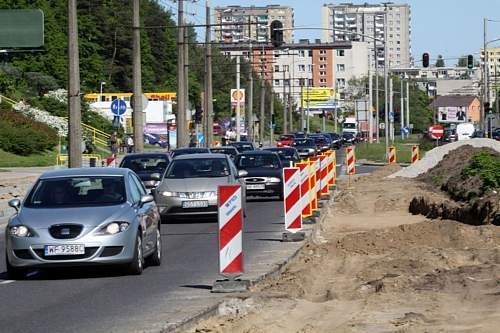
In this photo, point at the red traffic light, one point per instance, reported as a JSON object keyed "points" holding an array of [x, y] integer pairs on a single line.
{"points": [[425, 60]]}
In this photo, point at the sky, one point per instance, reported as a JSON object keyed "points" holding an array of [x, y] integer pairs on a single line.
{"points": [[451, 28]]}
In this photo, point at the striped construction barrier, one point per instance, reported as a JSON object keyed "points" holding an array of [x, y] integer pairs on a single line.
{"points": [[292, 202], [324, 174], [317, 172], [350, 160], [391, 156], [415, 153], [332, 169], [304, 188], [230, 230], [313, 184]]}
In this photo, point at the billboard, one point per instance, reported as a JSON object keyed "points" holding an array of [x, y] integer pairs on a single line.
{"points": [[319, 98], [452, 114], [237, 96], [21, 28]]}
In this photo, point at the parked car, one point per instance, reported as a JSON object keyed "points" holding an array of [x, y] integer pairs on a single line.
{"points": [[285, 140], [83, 216], [156, 140], [322, 142], [495, 135], [189, 186], [348, 138], [242, 146], [150, 167], [336, 140], [287, 155], [305, 147], [264, 173], [228, 150], [449, 135], [188, 150]]}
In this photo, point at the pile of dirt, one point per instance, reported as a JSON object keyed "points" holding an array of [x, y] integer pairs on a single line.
{"points": [[468, 199], [381, 269]]}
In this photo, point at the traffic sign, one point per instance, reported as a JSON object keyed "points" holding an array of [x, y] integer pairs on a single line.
{"points": [[144, 100], [436, 131], [406, 130], [381, 126], [118, 107]]}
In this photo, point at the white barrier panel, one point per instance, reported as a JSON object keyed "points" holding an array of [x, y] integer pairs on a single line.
{"points": [[292, 202], [230, 230]]}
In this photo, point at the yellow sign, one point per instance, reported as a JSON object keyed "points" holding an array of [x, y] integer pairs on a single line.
{"points": [[319, 98]]}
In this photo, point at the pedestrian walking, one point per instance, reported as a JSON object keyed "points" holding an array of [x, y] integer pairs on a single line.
{"points": [[130, 144], [113, 144]]}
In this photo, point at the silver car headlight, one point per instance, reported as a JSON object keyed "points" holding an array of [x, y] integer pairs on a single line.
{"points": [[20, 231], [274, 180], [311, 150], [113, 228]]}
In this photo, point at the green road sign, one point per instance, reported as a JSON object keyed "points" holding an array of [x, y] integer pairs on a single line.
{"points": [[21, 28]]}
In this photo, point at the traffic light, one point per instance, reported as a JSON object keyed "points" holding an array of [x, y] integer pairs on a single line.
{"points": [[487, 107], [198, 114], [425, 60], [470, 61], [276, 33]]}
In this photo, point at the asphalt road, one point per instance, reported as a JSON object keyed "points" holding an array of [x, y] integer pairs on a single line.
{"points": [[103, 300]]}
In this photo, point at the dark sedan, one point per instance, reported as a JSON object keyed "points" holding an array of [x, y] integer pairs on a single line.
{"points": [[228, 150], [148, 166], [188, 150], [287, 155], [305, 147], [264, 170], [243, 146]]}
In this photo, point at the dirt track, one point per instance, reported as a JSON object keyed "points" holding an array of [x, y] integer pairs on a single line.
{"points": [[379, 269]]}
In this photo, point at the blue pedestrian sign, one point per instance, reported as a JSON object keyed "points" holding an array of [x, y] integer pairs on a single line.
{"points": [[406, 130], [118, 107]]}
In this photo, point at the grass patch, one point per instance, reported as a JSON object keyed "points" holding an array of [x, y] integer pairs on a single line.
{"points": [[376, 151], [487, 166], [12, 160]]}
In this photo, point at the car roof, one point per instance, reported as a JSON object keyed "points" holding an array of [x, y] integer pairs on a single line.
{"points": [[224, 147], [279, 148], [258, 152], [148, 154], [70, 172], [189, 148], [199, 156]]}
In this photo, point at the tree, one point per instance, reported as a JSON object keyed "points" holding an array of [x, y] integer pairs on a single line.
{"points": [[440, 61]]}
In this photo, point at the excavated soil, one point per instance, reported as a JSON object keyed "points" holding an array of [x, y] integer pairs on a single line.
{"points": [[378, 268]]}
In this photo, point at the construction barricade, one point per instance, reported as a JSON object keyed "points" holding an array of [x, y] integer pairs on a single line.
{"points": [[304, 188], [313, 185], [391, 155], [332, 169], [292, 204], [350, 160], [415, 153], [324, 160], [230, 212]]}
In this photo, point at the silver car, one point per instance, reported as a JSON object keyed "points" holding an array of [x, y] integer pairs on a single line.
{"points": [[84, 216], [189, 186]]}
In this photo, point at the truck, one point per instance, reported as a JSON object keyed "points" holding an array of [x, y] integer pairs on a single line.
{"points": [[350, 125], [465, 131]]}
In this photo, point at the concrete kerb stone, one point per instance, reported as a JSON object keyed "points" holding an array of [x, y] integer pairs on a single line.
{"points": [[313, 233]]}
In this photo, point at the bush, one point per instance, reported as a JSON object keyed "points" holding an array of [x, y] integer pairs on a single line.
{"points": [[23, 136], [487, 166]]}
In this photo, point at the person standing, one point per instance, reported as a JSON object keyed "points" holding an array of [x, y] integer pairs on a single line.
{"points": [[113, 144], [130, 144]]}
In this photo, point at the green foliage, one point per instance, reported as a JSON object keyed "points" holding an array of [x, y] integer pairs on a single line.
{"points": [[47, 158], [487, 166], [24, 136]]}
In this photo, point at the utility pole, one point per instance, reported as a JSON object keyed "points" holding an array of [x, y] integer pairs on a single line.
{"points": [[75, 115], [290, 104], [262, 123], [408, 103], [209, 116], [370, 105], [301, 128], [249, 109], [401, 99], [186, 84], [307, 119], [271, 121], [284, 106], [238, 112], [377, 120], [137, 78], [391, 108], [386, 111], [486, 97], [181, 105]]}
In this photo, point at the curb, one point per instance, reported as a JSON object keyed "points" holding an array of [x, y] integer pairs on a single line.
{"points": [[276, 270], [374, 163]]}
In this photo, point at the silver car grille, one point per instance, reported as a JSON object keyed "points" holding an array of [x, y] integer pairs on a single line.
{"points": [[255, 180], [65, 231]]}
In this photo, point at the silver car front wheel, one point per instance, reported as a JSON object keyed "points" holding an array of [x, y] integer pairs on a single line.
{"points": [[137, 265], [155, 258]]}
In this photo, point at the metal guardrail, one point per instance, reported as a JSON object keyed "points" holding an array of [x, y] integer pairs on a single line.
{"points": [[8, 100], [88, 160]]}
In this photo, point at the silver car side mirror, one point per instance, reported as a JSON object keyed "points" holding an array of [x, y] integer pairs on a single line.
{"points": [[155, 176], [15, 203], [242, 173], [146, 198]]}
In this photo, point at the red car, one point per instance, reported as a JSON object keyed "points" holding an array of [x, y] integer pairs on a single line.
{"points": [[285, 140]]}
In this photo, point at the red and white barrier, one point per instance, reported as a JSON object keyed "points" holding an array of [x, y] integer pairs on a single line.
{"points": [[312, 184], [332, 172], [304, 188], [230, 230], [391, 155], [292, 202], [415, 154], [317, 170], [324, 174], [350, 160], [111, 162]]}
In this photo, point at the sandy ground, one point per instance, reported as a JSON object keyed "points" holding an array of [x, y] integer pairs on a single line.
{"points": [[378, 269]]}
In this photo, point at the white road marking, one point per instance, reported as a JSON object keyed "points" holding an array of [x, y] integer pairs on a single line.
{"points": [[7, 281]]}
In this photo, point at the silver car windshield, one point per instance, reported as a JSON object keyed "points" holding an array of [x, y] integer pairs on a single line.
{"points": [[258, 161], [198, 168], [76, 192]]}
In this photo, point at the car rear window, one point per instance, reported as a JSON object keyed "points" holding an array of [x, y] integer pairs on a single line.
{"points": [[145, 164], [198, 168]]}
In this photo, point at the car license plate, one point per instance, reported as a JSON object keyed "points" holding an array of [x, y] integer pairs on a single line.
{"points": [[256, 187], [64, 250], [195, 204]]}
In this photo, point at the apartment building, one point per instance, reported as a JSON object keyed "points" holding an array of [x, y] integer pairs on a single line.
{"points": [[240, 24], [493, 68], [374, 24]]}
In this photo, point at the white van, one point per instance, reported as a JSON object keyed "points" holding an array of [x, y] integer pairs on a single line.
{"points": [[465, 131]]}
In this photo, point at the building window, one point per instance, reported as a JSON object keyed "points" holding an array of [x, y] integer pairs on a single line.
{"points": [[340, 53], [322, 81], [302, 82], [322, 58], [340, 83], [302, 68], [302, 53], [310, 53], [286, 82], [322, 51], [276, 82], [309, 68], [322, 73], [311, 83], [286, 68], [340, 68], [322, 66], [276, 68]]}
